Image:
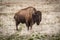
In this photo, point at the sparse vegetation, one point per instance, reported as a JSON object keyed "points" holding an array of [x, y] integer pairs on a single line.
{"points": [[50, 20], [33, 37]]}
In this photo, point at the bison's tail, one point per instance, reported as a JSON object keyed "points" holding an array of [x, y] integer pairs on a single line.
{"points": [[14, 17]]}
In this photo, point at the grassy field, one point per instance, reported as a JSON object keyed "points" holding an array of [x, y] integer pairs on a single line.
{"points": [[49, 28]]}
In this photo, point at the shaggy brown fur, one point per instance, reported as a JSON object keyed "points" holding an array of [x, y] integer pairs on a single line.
{"points": [[37, 17], [29, 16], [25, 16]]}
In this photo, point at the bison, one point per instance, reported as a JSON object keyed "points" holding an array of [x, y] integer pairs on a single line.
{"points": [[37, 17], [29, 16]]}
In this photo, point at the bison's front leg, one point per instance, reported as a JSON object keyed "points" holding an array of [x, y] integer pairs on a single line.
{"points": [[31, 23], [27, 24]]}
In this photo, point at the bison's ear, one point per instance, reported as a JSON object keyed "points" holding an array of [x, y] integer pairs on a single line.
{"points": [[38, 12]]}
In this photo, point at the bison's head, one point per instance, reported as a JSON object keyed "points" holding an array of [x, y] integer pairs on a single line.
{"points": [[37, 17]]}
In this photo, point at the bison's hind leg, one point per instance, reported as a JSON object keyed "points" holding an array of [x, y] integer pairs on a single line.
{"points": [[17, 23]]}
